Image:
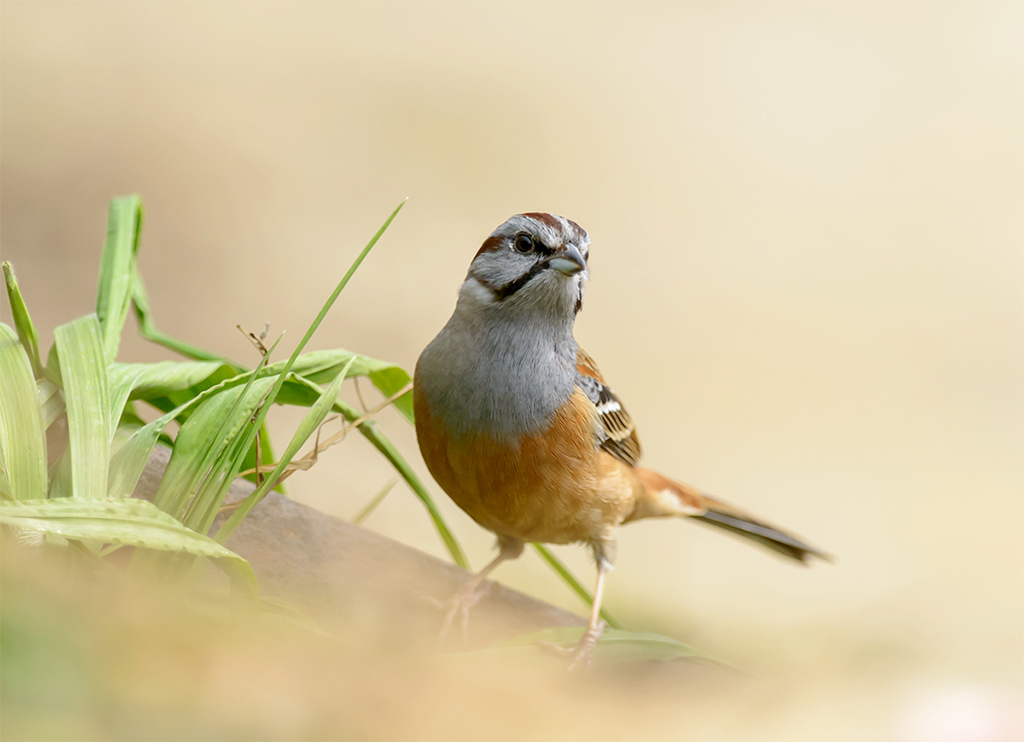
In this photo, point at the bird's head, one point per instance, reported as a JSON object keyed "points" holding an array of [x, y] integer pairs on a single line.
{"points": [[534, 263]]}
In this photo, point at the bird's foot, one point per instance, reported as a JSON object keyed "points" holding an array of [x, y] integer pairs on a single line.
{"points": [[583, 652], [457, 609], [580, 655]]}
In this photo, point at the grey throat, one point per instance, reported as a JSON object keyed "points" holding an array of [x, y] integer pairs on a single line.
{"points": [[501, 369]]}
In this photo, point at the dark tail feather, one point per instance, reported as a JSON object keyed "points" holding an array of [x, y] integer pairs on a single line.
{"points": [[661, 496], [728, 518]]}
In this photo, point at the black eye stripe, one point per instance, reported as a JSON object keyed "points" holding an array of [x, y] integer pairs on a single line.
{"points": [[503, 292]]}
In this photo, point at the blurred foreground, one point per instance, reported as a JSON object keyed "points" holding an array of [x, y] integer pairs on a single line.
{"points": [[90, 654]]}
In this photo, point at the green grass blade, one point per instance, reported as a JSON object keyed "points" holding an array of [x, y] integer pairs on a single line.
{"points": [[129, 461], [117, 267], [368, 509], [22, 321], [309, 424], [22, 432], [127, 522], [83, 372], [570, 579], [51, 401]]}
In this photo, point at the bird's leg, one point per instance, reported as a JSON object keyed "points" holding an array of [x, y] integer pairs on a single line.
{"points": [[470, 592], [584, 649]]}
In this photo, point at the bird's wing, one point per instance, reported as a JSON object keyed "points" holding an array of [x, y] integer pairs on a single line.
{"points": [[618, 434]]}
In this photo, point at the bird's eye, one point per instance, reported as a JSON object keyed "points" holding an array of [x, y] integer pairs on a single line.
{"points": [[523, 243]]}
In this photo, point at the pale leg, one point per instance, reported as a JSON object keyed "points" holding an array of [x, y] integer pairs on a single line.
{"points": [[595, 627]]}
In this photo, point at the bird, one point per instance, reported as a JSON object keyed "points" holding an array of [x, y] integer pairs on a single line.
{"points": [[518, 426]]}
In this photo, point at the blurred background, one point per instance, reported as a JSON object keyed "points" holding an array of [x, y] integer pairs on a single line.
{"points": [[807, 279]]}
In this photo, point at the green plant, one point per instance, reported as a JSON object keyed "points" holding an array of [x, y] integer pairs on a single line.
{"points": [[83, 497]]}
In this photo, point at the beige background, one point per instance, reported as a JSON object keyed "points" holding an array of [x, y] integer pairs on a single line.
{"points": [[806, 274]]}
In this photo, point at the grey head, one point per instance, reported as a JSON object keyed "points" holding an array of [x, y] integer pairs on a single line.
{"points": [[534, 263], [506, 360]]}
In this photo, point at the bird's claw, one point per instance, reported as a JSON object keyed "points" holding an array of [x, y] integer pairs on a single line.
{"points": [[459, 606], [581, 655]]}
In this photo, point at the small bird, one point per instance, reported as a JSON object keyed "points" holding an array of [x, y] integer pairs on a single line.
{"points": [[519, 427]]}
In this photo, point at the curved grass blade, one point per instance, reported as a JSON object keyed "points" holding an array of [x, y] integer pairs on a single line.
{"points": [[83, 373], [117, 266], [126, 522], [22, 321], [154, 380], [22, 433], [368, 509]]}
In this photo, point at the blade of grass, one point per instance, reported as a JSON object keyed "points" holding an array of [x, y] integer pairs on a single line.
{"points": [[51, 401], [129, 461], [22, 321], [22, 433], [83, 372], [117, 266], [570, 579], [129, 522], [372, 504]]}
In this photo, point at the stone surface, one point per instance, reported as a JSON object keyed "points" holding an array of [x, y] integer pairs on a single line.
{"points": [[335, 570]]}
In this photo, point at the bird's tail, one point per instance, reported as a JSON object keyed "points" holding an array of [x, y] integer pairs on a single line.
{"points": [[664, 497]]}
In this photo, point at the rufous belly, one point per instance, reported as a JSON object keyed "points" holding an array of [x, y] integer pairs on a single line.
{"points": [[553, 486]]}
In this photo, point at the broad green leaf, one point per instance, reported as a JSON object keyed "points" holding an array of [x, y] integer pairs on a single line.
{"points": [[117, 267], [22, 433], [22, 321], [309, 424], [129, 522], [83, 373], [147, 380], [570, 579]]}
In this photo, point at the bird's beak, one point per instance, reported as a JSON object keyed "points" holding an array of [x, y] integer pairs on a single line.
{"points": [[568, 262]]}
